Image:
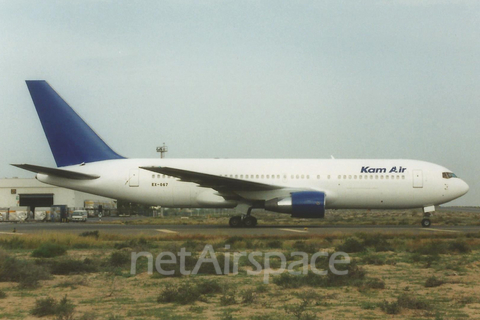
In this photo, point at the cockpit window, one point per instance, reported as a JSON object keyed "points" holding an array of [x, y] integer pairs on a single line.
{"points": [[448, 175]]}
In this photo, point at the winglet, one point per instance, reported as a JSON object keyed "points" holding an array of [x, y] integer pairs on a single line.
{"points": [[71, 140]]}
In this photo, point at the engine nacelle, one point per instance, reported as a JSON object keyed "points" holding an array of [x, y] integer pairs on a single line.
{"points": [[304, 204]]}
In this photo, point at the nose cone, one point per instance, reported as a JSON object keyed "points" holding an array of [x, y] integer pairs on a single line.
{"points": [[463, 188]]}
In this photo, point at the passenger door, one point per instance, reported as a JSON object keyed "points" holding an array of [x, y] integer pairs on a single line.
{"points": [[417, 179]]}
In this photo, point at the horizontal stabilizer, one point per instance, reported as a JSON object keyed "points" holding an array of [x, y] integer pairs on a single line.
{"points": [[57, 172]]}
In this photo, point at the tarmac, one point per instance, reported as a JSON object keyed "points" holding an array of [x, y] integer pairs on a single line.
{"points": [[277, 230]]}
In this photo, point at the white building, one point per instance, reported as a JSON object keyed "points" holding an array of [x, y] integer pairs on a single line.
{"points": [[30, 192]]}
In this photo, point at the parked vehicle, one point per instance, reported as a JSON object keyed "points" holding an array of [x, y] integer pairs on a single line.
{"points": [[79, 215]]}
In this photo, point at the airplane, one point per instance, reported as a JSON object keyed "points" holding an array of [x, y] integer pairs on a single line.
{"points": [[303, 188]]}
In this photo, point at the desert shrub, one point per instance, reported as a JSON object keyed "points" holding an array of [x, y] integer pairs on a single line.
{"points": [[137, 244], [3, 295], [374, 259], [261, 288], [72, 283], [94, 234], [276, 244], [408, 301], [185, 293], [355, 276], [209, 267], [373, 283], [49, 250], [299, 310], [206, 286], [460, 246], [65, 309], [428, 260], [351, 245], [303, 246], [192, 245], [464, 300], [44, 307], [433, 282], [390, 307], [233, 239], [228, 297], [118, 258], [376, 240], [287, 280], [435, 247], [247, 296], [49, 306], [26, 273], [88, 316], [72, 266]]}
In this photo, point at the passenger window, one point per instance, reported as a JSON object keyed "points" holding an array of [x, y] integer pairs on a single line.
{"points": [[355, 177], [328, 176], [339, 177], [360, 177]]}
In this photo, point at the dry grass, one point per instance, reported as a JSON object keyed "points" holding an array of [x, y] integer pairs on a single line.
{"points": [[111, 292]]}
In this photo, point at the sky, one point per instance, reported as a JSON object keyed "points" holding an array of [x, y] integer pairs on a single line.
{"points": [[250, 79]]}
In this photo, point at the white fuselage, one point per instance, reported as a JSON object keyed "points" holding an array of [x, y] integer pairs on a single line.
{"points": [[368, 184]]}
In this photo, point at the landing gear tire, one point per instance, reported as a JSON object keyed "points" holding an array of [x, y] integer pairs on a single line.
{"points": [[250, 221], [235, 222], [426, 223]]}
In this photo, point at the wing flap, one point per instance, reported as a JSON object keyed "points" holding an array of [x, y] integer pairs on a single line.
{"points": [[57, 172]]}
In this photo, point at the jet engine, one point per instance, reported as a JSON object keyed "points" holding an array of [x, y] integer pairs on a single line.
{"points": [[304, 204]]}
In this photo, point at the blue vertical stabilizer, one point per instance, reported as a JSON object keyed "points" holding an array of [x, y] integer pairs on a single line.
{"points": [[71, 140]]}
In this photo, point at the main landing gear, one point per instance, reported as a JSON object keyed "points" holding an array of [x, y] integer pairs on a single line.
{"points": [[246, 220]]}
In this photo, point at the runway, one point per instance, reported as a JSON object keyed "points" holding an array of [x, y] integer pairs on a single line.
{"points": [[169, 230]]}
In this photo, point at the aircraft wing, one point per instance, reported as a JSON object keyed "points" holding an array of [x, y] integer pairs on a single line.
{"points": [[57, 172], [219, 183]]}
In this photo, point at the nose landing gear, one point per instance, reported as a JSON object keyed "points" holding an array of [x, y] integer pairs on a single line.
{"points": [[427, 212], [426, 223]]}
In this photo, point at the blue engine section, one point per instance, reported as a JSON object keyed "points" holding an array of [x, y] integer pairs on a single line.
{"points": [[308, 204], [71, 140]]}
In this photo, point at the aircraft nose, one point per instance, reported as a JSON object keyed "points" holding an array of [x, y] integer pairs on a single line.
{"points": [[464, 187]]}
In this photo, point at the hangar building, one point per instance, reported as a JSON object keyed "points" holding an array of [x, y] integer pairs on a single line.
{"points": [[16, 192]]}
